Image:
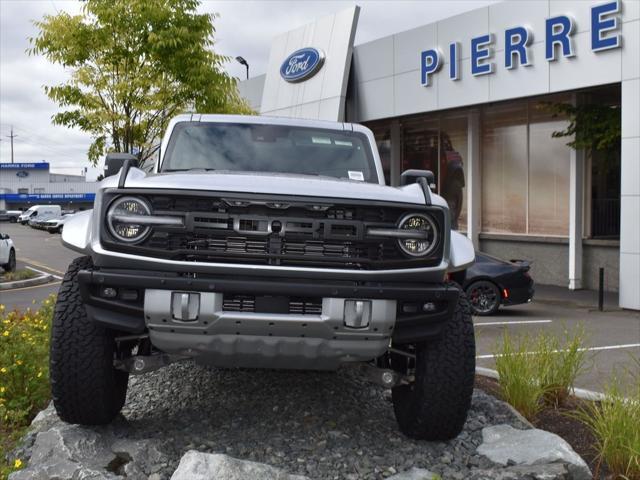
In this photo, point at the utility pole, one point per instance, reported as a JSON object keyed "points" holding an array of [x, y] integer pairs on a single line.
{"points": [[12, 136]]}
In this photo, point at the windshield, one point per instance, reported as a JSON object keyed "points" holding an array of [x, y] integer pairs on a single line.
{"points": [[270, 148]]}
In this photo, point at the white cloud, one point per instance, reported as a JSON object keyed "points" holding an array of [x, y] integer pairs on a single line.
{"points": [[244, 28]]}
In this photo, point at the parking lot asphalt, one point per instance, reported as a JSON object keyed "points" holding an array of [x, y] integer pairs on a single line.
{"points": [[612, 336]]}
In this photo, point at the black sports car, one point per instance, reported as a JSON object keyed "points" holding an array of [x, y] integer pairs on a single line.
{"points": [[492, 282]]}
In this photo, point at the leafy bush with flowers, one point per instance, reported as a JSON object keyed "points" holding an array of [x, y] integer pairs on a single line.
{"points": [[24, 361], [24, 371]]}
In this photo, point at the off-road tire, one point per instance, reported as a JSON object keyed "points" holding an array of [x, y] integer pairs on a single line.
{"points": [[85, 386], [435, 405]]}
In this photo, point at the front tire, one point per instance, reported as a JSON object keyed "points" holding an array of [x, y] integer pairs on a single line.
{"points": [[85, 386], [435, 405]]}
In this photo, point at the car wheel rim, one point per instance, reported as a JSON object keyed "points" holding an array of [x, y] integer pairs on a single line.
{"points": [[483, 297]]}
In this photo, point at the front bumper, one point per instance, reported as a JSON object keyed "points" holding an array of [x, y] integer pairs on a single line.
{"points": [[221, 337]]}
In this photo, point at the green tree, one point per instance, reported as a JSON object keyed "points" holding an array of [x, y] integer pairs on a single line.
{"points": [[134, 64], [591, 126]]}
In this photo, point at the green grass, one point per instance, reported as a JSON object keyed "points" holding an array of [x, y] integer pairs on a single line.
{"points": [[615, 423], [24, 373], [520, 383], [559, 362], [17, 275]]}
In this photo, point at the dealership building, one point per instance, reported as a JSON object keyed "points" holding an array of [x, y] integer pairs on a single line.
{"points": [[477, 98], [25, 184]]}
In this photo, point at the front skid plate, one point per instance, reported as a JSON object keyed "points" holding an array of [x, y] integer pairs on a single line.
{"points": [[248, 339]]}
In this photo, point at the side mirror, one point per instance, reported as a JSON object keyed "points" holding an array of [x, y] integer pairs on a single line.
{"points": [[412, 176], [114, 162]]}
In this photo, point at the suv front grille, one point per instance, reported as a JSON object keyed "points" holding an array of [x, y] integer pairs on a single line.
{"points": [[292, 233]]}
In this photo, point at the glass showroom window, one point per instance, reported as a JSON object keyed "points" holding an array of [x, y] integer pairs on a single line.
{"points": [[525, 171], [439, 144], [549, 163], [504, 168], [453, 167]]}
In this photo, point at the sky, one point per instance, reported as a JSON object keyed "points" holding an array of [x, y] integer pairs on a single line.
{"points": [[243, 28]]}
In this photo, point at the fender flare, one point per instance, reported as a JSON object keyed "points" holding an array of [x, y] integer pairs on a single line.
{"points": [[462, 254], [76, 234]]}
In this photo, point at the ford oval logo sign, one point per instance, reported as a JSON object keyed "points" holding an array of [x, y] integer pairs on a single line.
{"points": [[302, 64], [22, 174]]}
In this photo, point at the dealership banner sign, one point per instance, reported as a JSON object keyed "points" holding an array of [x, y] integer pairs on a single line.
{"points": [[35, 197], [24, 166], [558, 33]]}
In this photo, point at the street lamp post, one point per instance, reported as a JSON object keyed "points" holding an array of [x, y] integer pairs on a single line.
{"points": [[242, 61]]}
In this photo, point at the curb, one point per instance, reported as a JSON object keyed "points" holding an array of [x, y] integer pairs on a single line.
{"points": [[30, 282], [578, 392]]}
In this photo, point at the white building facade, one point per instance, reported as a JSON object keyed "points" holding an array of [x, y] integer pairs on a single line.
{"points": [[26, 184], [479, 99]]}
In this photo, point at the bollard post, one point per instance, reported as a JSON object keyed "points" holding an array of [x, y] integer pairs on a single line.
{"points": [[601, 289]]}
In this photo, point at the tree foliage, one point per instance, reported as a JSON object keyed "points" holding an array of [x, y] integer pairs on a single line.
{"points": [[592, 126], [134, 64]]}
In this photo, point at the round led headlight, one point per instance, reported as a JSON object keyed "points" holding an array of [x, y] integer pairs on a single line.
{"points": [[425, 242], [123, 219]]}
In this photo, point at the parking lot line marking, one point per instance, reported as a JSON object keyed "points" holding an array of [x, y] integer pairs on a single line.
{"points": [[40, 265], [585, 349], [33, 286], [57, 277], [516, 322]]}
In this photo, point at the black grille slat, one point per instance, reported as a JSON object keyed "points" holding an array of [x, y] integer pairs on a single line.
{"points": [[300, 233], [247, 304]]}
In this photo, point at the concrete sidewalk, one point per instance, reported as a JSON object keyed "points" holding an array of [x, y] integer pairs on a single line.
{"points": [[576, 298]]}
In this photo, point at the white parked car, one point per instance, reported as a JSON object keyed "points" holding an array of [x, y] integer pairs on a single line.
{"points": [[7, 253], [55, 224]]}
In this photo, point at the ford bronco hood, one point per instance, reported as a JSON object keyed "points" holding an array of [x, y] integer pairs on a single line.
{"points": [[276, 184]]}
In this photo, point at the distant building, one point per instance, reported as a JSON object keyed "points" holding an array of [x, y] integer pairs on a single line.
{"points": [[26, 184]]}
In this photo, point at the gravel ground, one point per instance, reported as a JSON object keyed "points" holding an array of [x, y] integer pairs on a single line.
{"points": [[324, 425]]}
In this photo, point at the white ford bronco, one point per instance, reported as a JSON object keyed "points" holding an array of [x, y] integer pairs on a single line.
{"points": [[260, 242]]}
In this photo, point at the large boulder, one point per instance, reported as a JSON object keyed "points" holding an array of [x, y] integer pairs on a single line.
{"points": [[73, 452], [207, 466], [506, 445]]}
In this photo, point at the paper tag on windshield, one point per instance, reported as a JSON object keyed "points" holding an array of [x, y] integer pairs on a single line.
{"points": [[356, 175]]}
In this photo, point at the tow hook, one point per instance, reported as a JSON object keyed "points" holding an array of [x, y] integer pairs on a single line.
{"points": [[384, 377], [146, 363]]}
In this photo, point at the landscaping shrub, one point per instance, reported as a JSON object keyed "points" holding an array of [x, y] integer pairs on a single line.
{"points": [[559, 363], [17, 275], [615, 423], [24, 373], [520, 378]]}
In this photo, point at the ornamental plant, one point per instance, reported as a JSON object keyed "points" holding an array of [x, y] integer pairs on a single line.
{"points": [[615, 423], [520, 375], [560, 361], [24, 362]]}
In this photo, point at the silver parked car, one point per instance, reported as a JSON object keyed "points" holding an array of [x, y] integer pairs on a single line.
{"points": [[266, 243]]}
